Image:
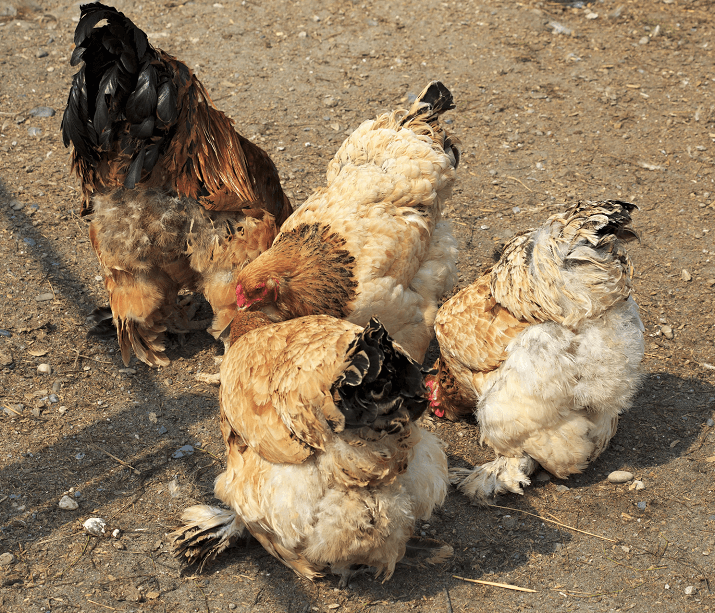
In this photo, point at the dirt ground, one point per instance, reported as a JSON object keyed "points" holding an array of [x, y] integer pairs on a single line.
{"points": [[555, 102]]}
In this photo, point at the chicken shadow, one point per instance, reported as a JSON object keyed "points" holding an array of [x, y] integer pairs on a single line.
{"points": [[120, 464], [668, 420]]}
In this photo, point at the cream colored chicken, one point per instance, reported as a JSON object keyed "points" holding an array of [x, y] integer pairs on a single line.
{"points": [[373, 242], [545, 349], [326, 466]]}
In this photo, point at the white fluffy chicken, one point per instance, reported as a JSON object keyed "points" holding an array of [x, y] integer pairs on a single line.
{"points": [[545, 349], [326, 464], [372, 243]]}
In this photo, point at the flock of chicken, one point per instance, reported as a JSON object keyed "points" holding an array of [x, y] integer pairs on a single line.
{"points": [[327, 311]]}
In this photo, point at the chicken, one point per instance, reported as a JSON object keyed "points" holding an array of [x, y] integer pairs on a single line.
{"points": [[373, 241], [326, 464], [545, 349], [180, 199]]}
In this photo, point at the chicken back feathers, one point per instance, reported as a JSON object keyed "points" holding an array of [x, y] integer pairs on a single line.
{"points": [[373, 241], [181, 200], [326, 465], [545, 348]]}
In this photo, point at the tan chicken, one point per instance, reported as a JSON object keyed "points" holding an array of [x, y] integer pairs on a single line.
{"points": [[180, 199], [326, 464], [373, 241], [544, 349]]}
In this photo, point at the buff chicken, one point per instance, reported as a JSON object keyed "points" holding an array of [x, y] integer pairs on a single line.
{"points": [[545, 349], [373, 242], [327, 466], [180, 200]]}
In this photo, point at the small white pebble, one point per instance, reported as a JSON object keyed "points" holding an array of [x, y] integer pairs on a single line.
{"points": [[68, 504], [95, 526], [620, 476]]}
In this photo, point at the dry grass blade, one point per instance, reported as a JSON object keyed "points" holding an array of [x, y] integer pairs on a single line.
{"points": [[558, 523], [506, 586]]}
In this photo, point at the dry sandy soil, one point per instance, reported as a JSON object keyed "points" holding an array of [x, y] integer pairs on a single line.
{"points": [[555, 102]]}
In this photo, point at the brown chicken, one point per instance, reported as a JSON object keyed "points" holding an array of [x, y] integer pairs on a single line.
{"points": [[373, 241], [545, 348], [326, 464], [180, 199]]}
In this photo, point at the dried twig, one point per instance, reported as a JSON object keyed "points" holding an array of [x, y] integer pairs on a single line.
{"points": [[206, 598], [494, 584], [52, 540], [520, 181], [207, 452], [640, 570], [122, 462], [126, 506], [101, 605], [541, 517], [84, 550]]}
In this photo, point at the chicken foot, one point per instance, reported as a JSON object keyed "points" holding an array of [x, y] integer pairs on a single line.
{"points": [[483, 483]]}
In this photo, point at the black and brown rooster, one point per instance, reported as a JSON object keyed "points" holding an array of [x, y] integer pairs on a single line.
{"points": [[180, 199]]}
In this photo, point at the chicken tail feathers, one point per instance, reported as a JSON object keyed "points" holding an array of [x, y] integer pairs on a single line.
{"points": [[421, 551], [381, 387], [588, 226], [206, 533], [146, 341], [434, 100], [116, 75], [123, 104], [571, 268]]}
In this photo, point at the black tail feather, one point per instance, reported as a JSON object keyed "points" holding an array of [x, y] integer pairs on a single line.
{"points": [[124, 87], [434, 100], [382, 388]]}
